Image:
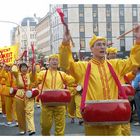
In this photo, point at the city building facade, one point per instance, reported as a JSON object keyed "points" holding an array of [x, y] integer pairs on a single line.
{"points": [[84, 20]]}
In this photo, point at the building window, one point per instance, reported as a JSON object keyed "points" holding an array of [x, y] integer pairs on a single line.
{"points": [[81, 14], [81, 6], [65, 6], [82, 43], [32, 28], [95, 27], [108, 26], [122, 42], [65, 13], [134, 12], [122, 27], [82, 34], [121, 10], [82, 27], [122, 49], [108, 12], [94, 11], [81, 19], [109, 35], [94, 14], [25, 42], [66, 20]]}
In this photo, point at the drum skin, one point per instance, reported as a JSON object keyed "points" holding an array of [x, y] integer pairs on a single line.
{"points": [[35, 92], [55, 96], [32, 93], [103, 112], [129, 90], [13, 91]]}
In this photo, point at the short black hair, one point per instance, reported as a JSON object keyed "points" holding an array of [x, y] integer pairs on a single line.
{"points": [[22, 64]]}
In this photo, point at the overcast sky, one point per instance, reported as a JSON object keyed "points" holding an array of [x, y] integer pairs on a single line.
{"points": [[16, 10]]}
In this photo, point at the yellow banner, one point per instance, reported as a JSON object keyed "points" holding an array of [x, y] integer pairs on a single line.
{"points": [[8, 54]]}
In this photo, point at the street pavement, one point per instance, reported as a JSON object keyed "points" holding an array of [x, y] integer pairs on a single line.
{"points": [[71, 129]]}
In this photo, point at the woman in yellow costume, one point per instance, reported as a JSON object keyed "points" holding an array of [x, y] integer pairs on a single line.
{"points": [[24, 105], [50, 114], [101, 84], [9, 81], [2, 102]]}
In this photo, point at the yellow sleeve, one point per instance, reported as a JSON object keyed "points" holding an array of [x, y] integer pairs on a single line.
{"points": [[76, 69], [123, 66], [40, 76], [15, 71], [68, 79]]}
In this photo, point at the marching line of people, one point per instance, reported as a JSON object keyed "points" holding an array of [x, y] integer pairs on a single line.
{"points": [[21, 78]]}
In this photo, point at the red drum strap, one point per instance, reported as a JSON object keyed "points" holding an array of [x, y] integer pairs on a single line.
{"points": [[63, 80], [121, 90], [43, 81], [86, 80]]}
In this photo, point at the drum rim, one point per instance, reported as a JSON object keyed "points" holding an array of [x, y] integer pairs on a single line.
{"points": [[106, 101], [54, 103], [55, 90], [106, 122]]}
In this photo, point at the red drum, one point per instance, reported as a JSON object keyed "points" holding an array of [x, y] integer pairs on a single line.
{"points": [[129, 90], [55, 97], [13, 91], [107, 112], [32, 93]]}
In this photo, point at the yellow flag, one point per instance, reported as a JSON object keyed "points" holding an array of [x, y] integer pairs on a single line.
{"points": [[8, 54]]}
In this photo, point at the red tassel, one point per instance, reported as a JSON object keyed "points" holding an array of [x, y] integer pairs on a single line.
{"points": [[61, 14]]}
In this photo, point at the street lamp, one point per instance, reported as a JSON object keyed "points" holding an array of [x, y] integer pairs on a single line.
{"points": [[5, 21]]}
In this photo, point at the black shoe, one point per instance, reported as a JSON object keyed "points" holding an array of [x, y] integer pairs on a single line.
{"points": [[31, 133], [81, 122]]}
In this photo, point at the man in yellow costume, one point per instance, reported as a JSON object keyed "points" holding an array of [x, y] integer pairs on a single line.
{"points": [[74, 105], [54, 80], [111, 53], [101, 85]]}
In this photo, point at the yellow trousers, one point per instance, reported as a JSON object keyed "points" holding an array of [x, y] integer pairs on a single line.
{"points": [[74, 107], [111, 130], [0, 105], [126, 129], [25, 114], [10, 109], [48, 114], [3, 104]]}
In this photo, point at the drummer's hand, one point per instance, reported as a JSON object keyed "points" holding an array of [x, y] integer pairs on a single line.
{"points": [[137, 34], [66, 36]]}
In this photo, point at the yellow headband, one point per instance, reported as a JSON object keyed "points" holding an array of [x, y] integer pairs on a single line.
{"points": [[94, 39], [9, 64], [54, 56], [111, 50]]}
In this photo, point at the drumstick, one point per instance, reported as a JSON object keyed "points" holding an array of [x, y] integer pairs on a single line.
{"points": [[67, 30], [122, 35]]}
